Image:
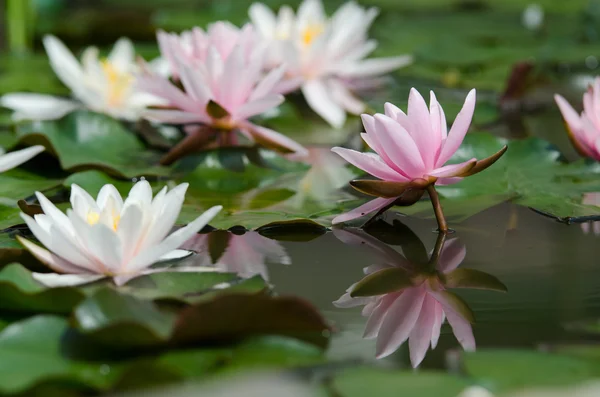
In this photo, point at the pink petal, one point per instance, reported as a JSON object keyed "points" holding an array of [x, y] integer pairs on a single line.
{"points": [[438, 118], [420, 337], [258, 106], [437, 325], [267, 85], [378, 315], [399, 146], [373, 142], [451, 170], [367, 208], [462, 330], [175, 117], [452, 255], [399, 322], [394, 112], [458, 131], [278, 139], [370, 163], [569, 114], [421, 129]]}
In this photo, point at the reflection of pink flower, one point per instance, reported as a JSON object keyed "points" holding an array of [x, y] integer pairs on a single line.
{"points": [[415, 313], [594, 227], [584, 129], [246, 254]]}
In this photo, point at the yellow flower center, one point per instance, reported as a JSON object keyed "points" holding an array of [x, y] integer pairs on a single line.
{"points": [[311, 32], [118, 83], [93, 217]]}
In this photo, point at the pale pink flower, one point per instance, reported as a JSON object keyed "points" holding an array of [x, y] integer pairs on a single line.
{"points": [[222, 92], [327, 55], [411, 151], [415, 313], [192, 46], [245, 254], [584, 129]]}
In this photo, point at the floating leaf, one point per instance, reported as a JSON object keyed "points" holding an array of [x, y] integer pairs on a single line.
{"points": [[84, 141], [361, 382]]}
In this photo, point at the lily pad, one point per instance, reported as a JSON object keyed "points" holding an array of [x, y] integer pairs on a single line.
{"points": [[531, 174], [126, 322], [505, 370], [360, 382], [84, 140]]}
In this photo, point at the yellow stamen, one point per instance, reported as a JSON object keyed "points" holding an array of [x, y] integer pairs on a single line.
{"points": [[118, 82], [311, 32], [93, 217]]}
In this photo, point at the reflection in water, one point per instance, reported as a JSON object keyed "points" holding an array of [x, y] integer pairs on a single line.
{"points": [[406, 296], [593, 226], [244, 254]]}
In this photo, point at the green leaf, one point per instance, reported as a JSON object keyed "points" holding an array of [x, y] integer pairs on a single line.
{"points": [[382, 282], [471, 278], [20, 292], [361, 382], [32, 352], [84, 141], [18, 184], [124, 321], [504, 370]]}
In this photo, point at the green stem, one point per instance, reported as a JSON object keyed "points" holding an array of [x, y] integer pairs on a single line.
{"points": [[19, 18], [437, 208]]}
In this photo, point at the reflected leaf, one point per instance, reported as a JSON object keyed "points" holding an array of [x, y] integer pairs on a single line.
{"points": [[382, 282], [475, 279], [298, 230], [399, 234]]}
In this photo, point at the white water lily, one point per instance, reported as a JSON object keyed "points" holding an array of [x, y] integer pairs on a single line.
{"points": [[109, 237], [101, 85], [326, 54], [14, 159]]}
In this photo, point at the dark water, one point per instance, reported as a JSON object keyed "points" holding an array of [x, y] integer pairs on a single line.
{"points": [[550, 269]]}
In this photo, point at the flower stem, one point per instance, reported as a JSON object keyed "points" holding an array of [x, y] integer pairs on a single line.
{"points": [[437, 208], [19, 18]]}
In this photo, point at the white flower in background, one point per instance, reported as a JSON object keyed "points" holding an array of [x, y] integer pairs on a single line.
{"points": [[101, 85], [109, 237], [533, 16], [14, 159], [246, 254], [327, 54]]}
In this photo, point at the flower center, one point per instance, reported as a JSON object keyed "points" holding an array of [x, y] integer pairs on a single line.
{"points": [[311, 32], [93, 217], [118, 83]]}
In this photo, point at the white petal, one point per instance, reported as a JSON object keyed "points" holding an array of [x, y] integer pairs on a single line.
{"points": [[175, 255], [14, 159], [320, 101], [122, 55], [106, 192], [49, 259], [30, 106], [53, 280], [263, 19], [174, 241]]}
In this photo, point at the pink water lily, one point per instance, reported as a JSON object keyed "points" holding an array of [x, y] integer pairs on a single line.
{"points": [[222, 92], [411, 152], [417, 311], [584, 128]]}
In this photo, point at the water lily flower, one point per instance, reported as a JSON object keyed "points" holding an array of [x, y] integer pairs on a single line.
{"points": [[411, 152], [406, 297], [325, 55], [100, 85], [109, 237], [244, 254], [221, 94], [14, 159], [584, 129]]}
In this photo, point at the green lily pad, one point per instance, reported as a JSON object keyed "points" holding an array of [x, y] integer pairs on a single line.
{"points": [[18, 184], [383, 383], [20, 292], [504, 370], [126, 322], [84, 141], [32, 352], [529, 174]]}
